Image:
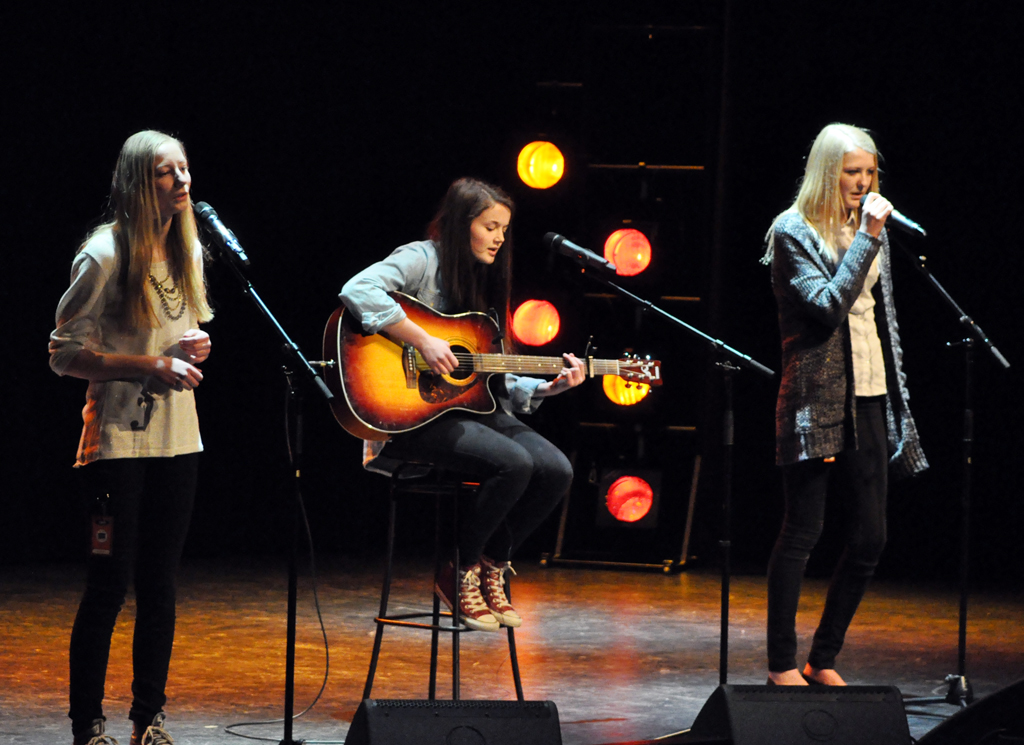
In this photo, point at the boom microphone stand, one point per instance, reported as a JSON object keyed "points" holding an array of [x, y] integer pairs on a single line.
{"points": [[725, 357], [960, 693], [297, 371]]}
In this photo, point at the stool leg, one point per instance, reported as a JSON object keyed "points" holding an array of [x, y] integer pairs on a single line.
{"points": [[513, 657], [458, 594], [436, 618], [515, 663], [384, 595]]}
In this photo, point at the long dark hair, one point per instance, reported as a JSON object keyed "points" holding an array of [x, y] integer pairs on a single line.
{"points": [[467, 283]]}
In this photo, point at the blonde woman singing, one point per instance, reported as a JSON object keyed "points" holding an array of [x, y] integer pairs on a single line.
{"points": [[128, 324], [842, 418]]}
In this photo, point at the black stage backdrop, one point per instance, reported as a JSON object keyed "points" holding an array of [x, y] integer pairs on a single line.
{"points": [[325, 133]]}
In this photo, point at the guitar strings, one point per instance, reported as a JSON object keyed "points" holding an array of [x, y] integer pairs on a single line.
{"points": [[522, 363]]}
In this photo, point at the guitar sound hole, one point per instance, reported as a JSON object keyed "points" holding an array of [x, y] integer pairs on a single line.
{"points": [[465, 369]]}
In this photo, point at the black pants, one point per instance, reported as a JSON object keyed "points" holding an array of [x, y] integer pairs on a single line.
{"points": [[151, 504], [522, 477], [859, 478]]}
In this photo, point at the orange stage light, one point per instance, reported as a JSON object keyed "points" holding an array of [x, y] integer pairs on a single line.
{"points": [[629, 498], [535, 322], [622, 392], [629, 250], [541, 165]]}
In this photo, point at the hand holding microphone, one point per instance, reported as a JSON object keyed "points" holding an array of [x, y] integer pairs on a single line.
{"points": [[876, 209]]}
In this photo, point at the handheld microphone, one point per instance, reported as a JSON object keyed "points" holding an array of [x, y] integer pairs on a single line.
{"points": [[221, 235], [582, 255], [901, 221]]}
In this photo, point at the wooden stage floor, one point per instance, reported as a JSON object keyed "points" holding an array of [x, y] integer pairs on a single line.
{"points": [[624, 655]]}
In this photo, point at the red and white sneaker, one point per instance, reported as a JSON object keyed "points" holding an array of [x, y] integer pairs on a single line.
{"points": [[473, 611], [493, 582]]}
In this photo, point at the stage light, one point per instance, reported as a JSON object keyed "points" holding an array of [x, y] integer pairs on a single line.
{"points": [[535, 322], [629, 250], [622, 392], [541, 165], [629, 499]]}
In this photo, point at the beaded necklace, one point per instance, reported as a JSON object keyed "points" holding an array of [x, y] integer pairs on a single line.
{"points": [[171, 297]]}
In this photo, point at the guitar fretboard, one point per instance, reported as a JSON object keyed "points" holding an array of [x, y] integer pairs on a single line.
{"points": [[516, 363]]}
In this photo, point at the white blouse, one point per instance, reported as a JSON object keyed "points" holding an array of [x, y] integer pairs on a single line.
{"points": [[868, 363]]}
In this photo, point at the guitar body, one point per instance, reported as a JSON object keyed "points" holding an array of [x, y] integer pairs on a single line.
{"points": [[377, 387]]}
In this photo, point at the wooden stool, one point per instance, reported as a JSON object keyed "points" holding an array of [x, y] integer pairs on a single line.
{"points": [[412, 478]]}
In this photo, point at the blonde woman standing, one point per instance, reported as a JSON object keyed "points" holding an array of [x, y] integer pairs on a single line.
{"points": [[842, 417], [128, 324]]}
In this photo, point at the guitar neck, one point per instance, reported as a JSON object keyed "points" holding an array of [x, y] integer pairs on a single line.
{"points": [[526, 364]]}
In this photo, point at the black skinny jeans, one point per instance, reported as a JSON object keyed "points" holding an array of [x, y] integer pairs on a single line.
{"points": [[522, 476], [151, 502], [859, 479]]}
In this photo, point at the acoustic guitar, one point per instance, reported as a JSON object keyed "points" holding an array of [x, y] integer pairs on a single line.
{"points": [[382, 387]]}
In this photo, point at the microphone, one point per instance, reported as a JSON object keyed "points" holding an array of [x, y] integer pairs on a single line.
{"points": [[221, 235], [582, 255], [902, 222]]}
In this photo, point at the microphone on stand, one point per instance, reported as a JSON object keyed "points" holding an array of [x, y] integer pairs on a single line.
{"points": [[901, 221], [582, 255], [223, 237]]}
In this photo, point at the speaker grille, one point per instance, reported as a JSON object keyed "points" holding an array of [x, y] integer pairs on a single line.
{"points": [[446, 722], [449, 708]]}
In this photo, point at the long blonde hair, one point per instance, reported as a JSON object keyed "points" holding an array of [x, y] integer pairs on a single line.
{"points": [[134, 221], [819, 200]]}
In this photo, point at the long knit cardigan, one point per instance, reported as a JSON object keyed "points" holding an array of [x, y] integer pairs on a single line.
{"points": [[815, 415]]}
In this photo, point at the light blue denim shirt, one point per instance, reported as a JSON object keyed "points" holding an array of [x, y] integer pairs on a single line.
{"points": [[415, 270]]}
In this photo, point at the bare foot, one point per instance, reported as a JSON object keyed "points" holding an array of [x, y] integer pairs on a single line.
{"points": [[826, 677], [788, 678]]}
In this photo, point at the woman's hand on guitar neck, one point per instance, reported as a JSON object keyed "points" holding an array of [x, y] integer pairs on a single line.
{"points": [[571, 376], [435, 352]]}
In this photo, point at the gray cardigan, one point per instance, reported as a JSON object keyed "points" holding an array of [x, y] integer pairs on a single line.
{"points": [[815, 416]]}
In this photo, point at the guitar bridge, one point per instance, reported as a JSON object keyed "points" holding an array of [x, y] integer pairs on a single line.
{"points": [[409, 363]]}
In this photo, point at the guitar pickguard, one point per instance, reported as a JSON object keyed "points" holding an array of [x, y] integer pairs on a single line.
{"points": [[434, 389]]}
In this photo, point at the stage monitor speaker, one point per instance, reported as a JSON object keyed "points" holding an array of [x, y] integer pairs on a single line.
{"points": [[1000, 715], [446, 722], [802, 715]]}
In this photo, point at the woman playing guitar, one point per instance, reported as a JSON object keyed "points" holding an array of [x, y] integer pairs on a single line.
{"points": [[465, 265]]}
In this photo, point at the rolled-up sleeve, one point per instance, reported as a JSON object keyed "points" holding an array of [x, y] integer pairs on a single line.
{"points": [[521, 393], [79, 311], [366, 294]]}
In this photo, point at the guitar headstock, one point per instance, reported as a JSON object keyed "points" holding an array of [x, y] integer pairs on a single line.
{"points": [[636, 369]]}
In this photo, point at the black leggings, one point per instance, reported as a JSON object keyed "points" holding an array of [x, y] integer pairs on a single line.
{"points": [[523, 476], [859, 479], [151, 504]]}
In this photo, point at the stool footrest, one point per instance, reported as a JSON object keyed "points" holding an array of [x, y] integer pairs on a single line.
{"points": [[403, 620]]}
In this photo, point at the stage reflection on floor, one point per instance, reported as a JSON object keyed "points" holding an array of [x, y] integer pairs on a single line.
{"points": [[624, 655]]}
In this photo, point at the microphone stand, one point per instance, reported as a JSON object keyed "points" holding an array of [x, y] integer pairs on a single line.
{"points": [[297, 372], [960, 692], [725, 356]]}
